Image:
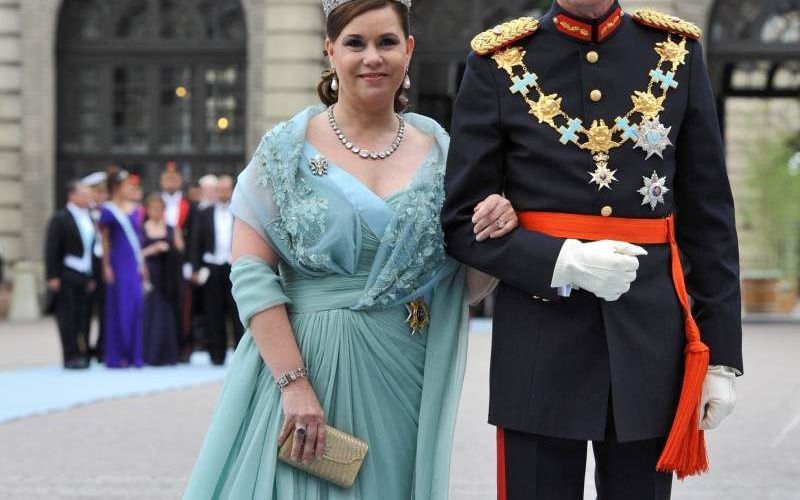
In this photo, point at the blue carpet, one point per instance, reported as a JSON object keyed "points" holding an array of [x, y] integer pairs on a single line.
{"points": [[36, 391]]}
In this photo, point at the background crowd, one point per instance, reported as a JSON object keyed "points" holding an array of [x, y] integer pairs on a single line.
{"points": [[152, 269]]}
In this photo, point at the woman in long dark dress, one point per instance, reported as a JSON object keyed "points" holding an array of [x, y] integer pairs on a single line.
{"points": [[161, 248]]}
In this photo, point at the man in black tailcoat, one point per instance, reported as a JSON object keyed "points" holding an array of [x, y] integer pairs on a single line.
{"points": [[68, 265]]}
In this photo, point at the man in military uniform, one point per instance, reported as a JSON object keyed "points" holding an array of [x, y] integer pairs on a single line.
{"points": [[600, 128]]}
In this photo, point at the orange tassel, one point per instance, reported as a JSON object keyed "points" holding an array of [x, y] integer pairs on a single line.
{"points": [[685, 450]]}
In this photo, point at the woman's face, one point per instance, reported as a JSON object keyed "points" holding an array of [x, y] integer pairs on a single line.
{"points": [[155, 211], [370, 57], [128, 189]]}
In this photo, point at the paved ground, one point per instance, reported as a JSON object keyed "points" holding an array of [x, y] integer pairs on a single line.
{"points": [[144, 447]]}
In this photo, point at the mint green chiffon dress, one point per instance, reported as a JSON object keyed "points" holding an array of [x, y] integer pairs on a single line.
{"points": [[350, 261]]}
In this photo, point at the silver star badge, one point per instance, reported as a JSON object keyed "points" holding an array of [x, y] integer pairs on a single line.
{"points": [[654, 190], [653, 137], [318, 165], [602, 175]]}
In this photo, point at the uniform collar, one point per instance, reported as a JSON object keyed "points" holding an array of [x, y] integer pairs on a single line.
{"points": [[583, 29]]}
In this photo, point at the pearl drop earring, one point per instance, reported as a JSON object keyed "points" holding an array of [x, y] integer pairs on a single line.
{"points": [[406, 82], [335, 83]]}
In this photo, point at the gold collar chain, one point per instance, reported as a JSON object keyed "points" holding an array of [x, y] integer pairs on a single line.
{"points": [[649, 134]]}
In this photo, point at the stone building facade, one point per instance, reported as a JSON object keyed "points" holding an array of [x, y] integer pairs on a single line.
{"points": [[284, 59]]}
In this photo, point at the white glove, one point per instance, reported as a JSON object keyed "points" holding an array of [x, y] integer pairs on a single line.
{"points": [[605, 268], [719, 396]]}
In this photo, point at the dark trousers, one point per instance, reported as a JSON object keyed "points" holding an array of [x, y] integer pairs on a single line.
{"points": [[533, 467], [219, 309], [182, 308], [73, 314], [97, 299]]}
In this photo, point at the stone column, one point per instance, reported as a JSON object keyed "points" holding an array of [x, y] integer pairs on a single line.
{"points": [[33, 151], [287, 53], [10, 131]]}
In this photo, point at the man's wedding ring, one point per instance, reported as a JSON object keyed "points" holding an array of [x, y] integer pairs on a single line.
{"points": [[500, 223], [300, 433]]}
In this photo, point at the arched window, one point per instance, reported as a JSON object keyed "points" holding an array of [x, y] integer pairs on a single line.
{"points": [[145, 82], [754, 48]]}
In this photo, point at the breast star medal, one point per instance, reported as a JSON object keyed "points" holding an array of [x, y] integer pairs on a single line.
{"points": [[653, 137], [318, 165], [418, 316], [654, 189], [602, 175]]}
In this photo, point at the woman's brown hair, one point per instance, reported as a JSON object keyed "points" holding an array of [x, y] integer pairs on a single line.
{"points": [[338, 20], [115, 176]]}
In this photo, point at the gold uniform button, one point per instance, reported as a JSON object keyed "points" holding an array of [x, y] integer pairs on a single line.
{"points": [[606, 211], [595, 95], [592, 57]]}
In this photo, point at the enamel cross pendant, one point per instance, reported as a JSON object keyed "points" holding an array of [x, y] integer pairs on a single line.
{"points": [[654, 189], [602, 175]]}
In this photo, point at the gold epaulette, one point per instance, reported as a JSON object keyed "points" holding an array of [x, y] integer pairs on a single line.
{"points": [[504, 35], [670, 24]]}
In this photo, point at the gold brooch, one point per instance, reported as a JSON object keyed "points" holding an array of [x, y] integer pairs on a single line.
{"points": [[418, 316]]}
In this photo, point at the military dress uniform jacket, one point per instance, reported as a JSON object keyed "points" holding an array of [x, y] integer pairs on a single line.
{"points": [[557, 363]]}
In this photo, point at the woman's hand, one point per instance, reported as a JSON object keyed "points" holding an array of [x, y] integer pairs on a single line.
{"points": [[302, 410], [494, 218]]}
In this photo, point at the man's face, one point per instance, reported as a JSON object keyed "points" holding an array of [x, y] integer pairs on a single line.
{"points": [[81, 197], [584, 4], [225, 189], [171, 182], [100, 194]]}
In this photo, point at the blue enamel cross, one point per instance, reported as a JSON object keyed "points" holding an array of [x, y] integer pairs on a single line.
{"points": [[628, 130], [568, 134], [523, 85], [667, 80]]}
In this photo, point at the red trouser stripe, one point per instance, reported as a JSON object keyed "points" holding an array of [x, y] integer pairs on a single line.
{"points": [[501, 464]]}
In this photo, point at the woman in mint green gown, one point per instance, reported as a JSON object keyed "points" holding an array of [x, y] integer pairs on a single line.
{"points": [[349, 262]]}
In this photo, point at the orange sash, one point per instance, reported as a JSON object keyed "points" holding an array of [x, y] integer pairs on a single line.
{"points": [[685, 451]]}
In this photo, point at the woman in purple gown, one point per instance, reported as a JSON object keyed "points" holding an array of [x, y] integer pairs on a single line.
{"points": [[161, 247], [123, 272]]}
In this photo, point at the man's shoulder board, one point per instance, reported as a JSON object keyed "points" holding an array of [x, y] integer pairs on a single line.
{"points": [[670, 24], [504, 35]]}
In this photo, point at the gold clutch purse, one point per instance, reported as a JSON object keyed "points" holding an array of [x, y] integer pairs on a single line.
{"points": [[341, 462]]}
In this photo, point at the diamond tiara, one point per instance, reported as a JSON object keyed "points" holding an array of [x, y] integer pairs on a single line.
{"points": [[330, 5]]}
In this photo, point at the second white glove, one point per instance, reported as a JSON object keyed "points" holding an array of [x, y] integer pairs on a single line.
{"points": [[605, 268], [719, 396]]}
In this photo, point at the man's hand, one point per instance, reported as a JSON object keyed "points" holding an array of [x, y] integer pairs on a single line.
{"points": [[719, 396], [605, 268], [54, 284]]}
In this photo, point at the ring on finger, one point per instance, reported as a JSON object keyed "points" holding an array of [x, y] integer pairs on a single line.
{"points": [[500, 223], [300, 433]]}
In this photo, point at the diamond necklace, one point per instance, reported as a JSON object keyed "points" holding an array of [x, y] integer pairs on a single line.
{"points": [[366, 153]]}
